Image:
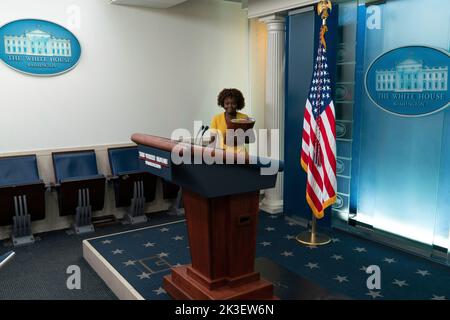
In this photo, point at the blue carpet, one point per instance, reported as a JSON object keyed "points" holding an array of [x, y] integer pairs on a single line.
{"points": [[38, 271], [144, 256]]}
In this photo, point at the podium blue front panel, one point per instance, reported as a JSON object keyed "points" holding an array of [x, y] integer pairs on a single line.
{"points": [[155, 161]]}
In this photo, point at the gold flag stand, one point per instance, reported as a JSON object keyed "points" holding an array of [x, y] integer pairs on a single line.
{"points": [[312, 238]]}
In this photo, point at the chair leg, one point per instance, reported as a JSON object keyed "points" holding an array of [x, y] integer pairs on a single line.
{"points": [[21, 234], [83, 216], [177, 208], [136, 212]]}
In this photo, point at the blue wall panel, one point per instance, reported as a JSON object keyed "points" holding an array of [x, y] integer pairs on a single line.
{"points": [[302, 41]]}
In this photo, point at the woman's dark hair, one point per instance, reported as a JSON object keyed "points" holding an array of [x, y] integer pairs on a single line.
{"points": [[231, 93]]}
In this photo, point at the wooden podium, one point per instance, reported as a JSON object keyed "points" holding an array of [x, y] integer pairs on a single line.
{"points": [[221, 203]]}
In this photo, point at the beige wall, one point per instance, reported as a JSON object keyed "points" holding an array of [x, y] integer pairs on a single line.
{"points": [[257, 69], [141, 70]]}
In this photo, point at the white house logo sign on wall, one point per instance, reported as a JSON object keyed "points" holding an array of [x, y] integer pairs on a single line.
{"points": [[38, 47], [410, 81]]}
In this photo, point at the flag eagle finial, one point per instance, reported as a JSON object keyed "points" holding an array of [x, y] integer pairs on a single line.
{"points": [[322, 8]]}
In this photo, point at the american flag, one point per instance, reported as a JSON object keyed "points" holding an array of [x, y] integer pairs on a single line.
{"points": [[318, 156]]}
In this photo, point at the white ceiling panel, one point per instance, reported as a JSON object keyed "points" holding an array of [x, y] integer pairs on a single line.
{"points": [[158, 4]]}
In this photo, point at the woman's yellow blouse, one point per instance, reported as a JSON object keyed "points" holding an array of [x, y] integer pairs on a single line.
{"points": [[219, 124]]}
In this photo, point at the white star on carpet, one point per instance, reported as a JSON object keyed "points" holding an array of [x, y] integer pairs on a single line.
{"points": [[374, 294], [334, 240], [270, 229], [400, 283], [164, 229], [273, 216], [363, 268], [360, 249], [107, 241], [289, 237], [435, 297], [159, 291], [130, 263], [144, 275], [177, 238], [178, 265], [118, 251], [162, 254], [337, 257], [266, 243], [423, 273], [341, 279], [149, 244], [291, 223], [312, 247], [389, 260], [312, 265], [287, 254]]}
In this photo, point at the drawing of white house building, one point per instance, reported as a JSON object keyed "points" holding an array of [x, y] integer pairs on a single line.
{"points": [[412, 76], [37, 43]]}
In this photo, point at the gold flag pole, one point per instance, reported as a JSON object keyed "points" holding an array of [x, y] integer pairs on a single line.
{"points": [[312, 237]]}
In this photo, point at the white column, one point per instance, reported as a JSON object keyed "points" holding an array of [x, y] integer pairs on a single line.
{"points": [[275, 95]]}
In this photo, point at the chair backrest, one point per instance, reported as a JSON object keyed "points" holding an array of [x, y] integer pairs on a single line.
{"points": [[75, 164], [18, 170], [123, 160]]}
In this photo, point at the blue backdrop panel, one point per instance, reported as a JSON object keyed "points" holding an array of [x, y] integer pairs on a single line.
{"points": [[401, 160]]}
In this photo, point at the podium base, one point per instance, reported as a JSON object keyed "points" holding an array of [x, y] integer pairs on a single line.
{"points": [[313, 239], [179, 285]]}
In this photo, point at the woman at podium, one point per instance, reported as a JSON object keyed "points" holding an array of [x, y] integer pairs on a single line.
{"points": [[231, 100]]}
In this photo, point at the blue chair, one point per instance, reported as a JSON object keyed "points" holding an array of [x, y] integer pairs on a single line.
{"points": [[22, 196], [81, 189], [132, 187]]}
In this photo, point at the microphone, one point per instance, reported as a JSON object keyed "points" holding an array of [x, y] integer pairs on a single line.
{"points": [[203, 133], [196, 137]]}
